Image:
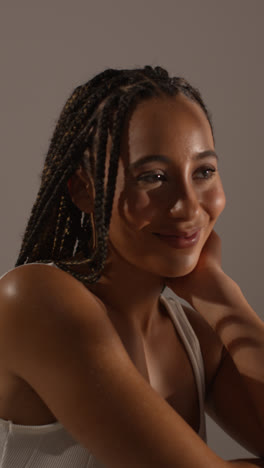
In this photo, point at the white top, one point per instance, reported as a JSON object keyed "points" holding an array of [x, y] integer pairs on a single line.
{"points": [[51, 446]]}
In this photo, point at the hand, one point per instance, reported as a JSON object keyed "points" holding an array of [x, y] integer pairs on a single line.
{"points": [[202, 281]]}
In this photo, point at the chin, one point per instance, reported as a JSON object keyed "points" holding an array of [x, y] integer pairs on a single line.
{"points": [[181, 268]]}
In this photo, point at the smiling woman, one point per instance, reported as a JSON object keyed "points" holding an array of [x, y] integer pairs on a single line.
{"points": [[99, 368]]}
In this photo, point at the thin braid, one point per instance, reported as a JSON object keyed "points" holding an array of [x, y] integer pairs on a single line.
{"points": [[125, 102], [54, 180], [42, 206], [71, 122], [73, 103], [108, 80]]}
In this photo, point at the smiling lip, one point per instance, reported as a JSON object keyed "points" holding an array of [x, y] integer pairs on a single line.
{"points": [[178, 233], [180, 242]]}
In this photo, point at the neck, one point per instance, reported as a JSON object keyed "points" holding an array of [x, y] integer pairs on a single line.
{"points": [[130, 295]]}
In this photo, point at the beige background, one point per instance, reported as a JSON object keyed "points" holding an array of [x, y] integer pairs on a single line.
{"points": [[48, 48]]}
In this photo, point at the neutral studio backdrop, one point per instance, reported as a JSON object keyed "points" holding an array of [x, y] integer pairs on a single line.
{"points": [[48, 48]]}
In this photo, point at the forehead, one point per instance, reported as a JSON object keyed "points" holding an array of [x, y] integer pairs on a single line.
{"points": [[166, 125]]}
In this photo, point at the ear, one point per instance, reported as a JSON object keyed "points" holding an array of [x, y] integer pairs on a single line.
{"points": [[81, 190]]}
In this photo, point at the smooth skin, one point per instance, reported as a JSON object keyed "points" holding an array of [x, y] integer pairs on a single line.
{"points": [[88, 353]]}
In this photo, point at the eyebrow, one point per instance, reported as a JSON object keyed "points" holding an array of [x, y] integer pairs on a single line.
{"points": [[166, 159]]}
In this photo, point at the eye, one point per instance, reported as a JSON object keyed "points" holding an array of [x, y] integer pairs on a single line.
{"points": [[207, 169], [152, 177]]}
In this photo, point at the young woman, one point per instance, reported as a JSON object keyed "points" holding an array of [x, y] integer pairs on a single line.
{"points": [[98, 367]]}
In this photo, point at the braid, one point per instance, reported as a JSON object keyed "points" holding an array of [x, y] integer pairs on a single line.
{"points": [[57, 231]]}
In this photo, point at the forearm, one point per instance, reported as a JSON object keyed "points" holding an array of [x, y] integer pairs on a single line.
{"points": [[247, 463], [241, 331]]}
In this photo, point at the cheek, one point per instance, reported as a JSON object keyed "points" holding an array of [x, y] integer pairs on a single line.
{"points": [[138, 208], [215, 201], [131, 206]]}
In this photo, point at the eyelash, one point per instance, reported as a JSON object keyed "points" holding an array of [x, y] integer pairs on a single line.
{"points": [[151, 174]]}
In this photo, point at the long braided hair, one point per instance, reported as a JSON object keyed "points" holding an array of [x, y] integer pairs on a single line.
{"points": [[57, 231]]}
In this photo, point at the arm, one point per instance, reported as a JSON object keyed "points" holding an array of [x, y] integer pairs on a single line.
{"points": [[55, 336], [242, 333], [227, 400]]}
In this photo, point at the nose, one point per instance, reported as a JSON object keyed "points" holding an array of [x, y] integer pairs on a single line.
{"points": [[185, 204]]}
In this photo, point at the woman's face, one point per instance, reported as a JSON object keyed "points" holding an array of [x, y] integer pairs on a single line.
{"points": [[180, 193]]}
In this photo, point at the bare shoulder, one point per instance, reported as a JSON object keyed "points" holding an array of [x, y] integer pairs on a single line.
{"points": [[212, 348], [41, 282], [39, 298], [32, 274], [39, 276]]}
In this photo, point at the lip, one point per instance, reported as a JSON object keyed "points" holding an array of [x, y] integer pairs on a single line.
{"points": [[180, 242], [178, 233]]}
